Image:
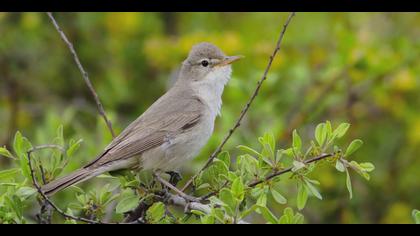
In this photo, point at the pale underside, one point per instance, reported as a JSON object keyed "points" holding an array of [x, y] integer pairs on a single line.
{"points": [[171, 131]]}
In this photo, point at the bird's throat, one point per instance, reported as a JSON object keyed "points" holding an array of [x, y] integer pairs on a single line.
{"points": [[210, 89]]}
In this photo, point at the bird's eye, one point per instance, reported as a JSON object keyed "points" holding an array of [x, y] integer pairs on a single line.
{"points": [[205, 63]]}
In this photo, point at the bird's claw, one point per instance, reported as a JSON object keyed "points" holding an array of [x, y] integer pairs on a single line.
{"points": [[175, 177]]}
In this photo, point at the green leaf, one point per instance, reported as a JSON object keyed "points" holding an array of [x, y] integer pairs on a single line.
{"points": [[267, 214], [269, 146], [228, 199], [339, 166], [416, 216], [298, 219], [348, 184], [297, 142], [199, 213], [269, 138], [312, 189], [106, 197], [312, 181], [231, 176], [341, 130], [354, 145], [77, 189], [320, 135], [249, 150], [367, 166], [262, 200], [218, 214], [328, 129], [73, 146], [212, 175], [10, 173], [288, 152], [287, 216], [359, 169], [237, 189], [70, 221], [283, 220], [257, 191], [247, 165], [60, 136], [8, 184], [156, 212], [4, 152], [216, 201], [127, 204], [21, 145], [15, 203], [297, 165], [206, 219], [25, 192], [82, 198], [248, 211], [17, 144], [279, 155], [278, 197], [225, 157], [302, 196]]}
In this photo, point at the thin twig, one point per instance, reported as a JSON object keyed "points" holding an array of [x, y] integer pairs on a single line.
{"points": [[46, 211], [248, 104], [275, 174], [35, 182], [83, 72], [46, 199]]}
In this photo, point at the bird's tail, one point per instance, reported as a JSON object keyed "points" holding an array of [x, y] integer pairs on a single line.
{"points": [[75, 177]]}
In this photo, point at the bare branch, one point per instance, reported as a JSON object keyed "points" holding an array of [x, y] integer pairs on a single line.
{"points": [[248, 104], [83, 72], [179, 201]]}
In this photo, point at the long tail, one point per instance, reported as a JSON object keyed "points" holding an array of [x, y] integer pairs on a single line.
{"points": [[75, 177]]}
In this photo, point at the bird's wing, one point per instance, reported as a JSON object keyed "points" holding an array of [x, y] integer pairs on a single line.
{"points": [[149, 131]]}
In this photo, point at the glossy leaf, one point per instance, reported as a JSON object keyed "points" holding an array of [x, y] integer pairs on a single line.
{"points": [[302, 196], [127, 204], [354, 145]]}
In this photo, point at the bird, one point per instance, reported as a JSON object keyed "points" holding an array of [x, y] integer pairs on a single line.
{"points": [[173, 129]]}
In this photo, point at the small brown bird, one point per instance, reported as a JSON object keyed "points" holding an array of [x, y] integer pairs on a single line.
{"points": [[173, 129]]}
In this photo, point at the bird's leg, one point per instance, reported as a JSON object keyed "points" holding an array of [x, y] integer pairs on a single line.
{"points": [[175, 177], [173, 188]]}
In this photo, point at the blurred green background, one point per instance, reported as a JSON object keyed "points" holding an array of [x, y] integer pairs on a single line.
{"points": [[361, 68]]}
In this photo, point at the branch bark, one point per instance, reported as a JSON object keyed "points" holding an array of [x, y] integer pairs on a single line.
{"points": [[247, 105], [83, 72], [181, 202]]}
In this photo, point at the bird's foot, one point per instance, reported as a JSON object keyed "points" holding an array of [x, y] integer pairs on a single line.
{"points": [[175, 177], [168, 185]]}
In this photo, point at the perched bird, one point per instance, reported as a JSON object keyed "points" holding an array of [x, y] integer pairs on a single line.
{"points": [[173, 129]]}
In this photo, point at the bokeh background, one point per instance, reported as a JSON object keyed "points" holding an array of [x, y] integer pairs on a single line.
{"points": [[361, 68]]}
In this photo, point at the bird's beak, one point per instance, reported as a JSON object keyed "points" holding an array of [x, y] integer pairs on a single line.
{"points": [[229, 60]]}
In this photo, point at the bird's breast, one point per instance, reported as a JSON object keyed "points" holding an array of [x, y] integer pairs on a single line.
{"points": [[179, 149]]}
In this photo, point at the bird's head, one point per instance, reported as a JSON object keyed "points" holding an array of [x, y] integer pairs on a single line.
{"points": [[206, 61]]}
